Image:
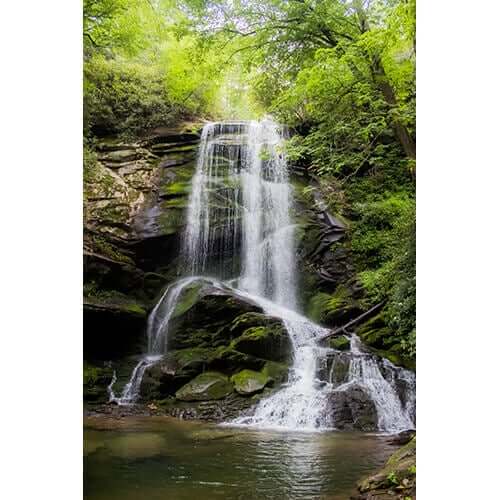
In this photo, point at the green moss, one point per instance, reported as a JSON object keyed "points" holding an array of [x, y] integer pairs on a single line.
{"points": [[268, 342], [340, 343], [105, 248], [399, 473], [188, 299], [177, 202], [179, 188], [185, 357], [317, 306], [277, 371], [95, 382], [89, 165], [135, 309], [256, 332], [397, 358], [90, 374], [112, 299], [246, 320], [248, 382], [408, 450], [322, 307], [206, 386], [229, 360], [374, 331]]}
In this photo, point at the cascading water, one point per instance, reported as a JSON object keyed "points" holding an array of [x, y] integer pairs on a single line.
{"points": [[299, 405], [157, 330], [239, 230], [380, 379]]}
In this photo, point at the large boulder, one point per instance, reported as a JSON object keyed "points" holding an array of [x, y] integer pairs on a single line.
{"points": [[249, 382], [206, 386], [176, 369], [266, 341], [209, 315], [351, 408], [204, 315]]}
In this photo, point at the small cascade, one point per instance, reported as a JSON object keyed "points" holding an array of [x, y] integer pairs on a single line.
{"points": [[391, 388], [299, 404], [157, 332]]}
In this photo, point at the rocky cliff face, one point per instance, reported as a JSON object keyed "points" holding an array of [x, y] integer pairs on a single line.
{"points": [[134, 196]]}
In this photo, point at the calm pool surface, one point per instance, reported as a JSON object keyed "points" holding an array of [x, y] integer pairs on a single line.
{"points": [[161, 458]]}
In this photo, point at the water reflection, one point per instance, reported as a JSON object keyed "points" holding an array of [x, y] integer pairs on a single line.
{"points": [[170, 461]]}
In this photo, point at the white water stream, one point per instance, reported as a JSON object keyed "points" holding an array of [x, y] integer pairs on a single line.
{"points": [[239, 229]]}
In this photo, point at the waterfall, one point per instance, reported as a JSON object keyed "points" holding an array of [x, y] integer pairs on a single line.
{"points": [[240, 232]]}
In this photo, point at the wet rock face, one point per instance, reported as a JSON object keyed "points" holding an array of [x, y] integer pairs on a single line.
{"points": [[328, 277], [132, 233], [221, 410], [352, 408]]}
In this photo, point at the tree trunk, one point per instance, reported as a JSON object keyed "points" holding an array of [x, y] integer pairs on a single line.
{"points": [[402, 133], [380, 78]]}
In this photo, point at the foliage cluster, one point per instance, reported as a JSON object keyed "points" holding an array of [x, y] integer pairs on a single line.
{"points": [[384, 244], [144, 67]]}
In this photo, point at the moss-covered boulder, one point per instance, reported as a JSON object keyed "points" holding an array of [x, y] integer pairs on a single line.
{"points": [[175, 370], [204, 315], [210, 315], [249, 382], [397, 479], [248, 320], [229, 360], [269, 342], [205, 387]]}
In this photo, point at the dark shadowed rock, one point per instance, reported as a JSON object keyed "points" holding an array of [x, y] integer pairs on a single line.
{"points": [[352, 408]]}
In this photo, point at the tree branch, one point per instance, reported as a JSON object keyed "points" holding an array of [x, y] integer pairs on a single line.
{"points": [[342, 329]]}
